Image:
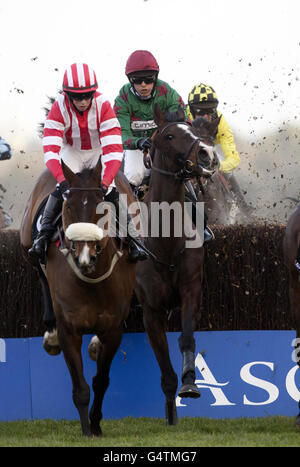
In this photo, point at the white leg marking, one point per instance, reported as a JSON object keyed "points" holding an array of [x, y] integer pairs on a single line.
{"points": [[93, 348]]}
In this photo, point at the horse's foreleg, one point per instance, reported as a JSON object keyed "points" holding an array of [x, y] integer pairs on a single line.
{"points": [[71, 347], [109, 348], [48, 317], [189, 312], [154, 323]]}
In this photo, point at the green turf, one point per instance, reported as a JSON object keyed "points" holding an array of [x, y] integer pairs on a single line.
{"points": [[148, 432]]}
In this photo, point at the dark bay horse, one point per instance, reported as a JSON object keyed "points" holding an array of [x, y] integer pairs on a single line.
{"points": [[91, 284], [291, 252], [172, 277]]}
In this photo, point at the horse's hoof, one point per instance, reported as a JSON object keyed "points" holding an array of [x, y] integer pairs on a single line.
{"points": [[50, 343], [189, 390], [171, 412], [96, 431], [93, 348]]}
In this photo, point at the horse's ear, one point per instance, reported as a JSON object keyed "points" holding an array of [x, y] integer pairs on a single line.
{"points": [[158, 115], [97, 172], [181, 114], [67, 172]]}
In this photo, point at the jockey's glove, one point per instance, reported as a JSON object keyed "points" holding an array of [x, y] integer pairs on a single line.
{"points": [[104, 189], [5, 150], [144, 144], [63, 188]]}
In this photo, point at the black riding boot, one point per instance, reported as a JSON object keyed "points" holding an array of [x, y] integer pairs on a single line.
{"points": [[52, 209], [208, 233], [136, 252]]}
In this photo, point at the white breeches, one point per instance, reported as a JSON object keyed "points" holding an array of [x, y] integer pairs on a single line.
{"points": [[134, 168], [77, 160]]}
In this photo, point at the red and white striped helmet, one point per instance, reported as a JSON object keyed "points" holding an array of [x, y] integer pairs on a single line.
{"points": [[79, 77]]}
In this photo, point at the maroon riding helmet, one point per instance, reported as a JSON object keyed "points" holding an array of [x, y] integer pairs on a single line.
{"points": [[141, 60]]}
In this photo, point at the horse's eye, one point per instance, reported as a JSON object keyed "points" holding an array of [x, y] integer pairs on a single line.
{"points": [[169, 137], [98, 249]]}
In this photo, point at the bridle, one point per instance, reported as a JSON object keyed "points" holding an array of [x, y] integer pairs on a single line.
{"points": [[69, 190], [186, 171], [184, 174], [67, 252]]}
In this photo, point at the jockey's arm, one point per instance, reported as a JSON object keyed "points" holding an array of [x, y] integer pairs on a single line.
{"points": [[52, 141], [226, 140], [123, 113], [111, 142], [174, 102]]}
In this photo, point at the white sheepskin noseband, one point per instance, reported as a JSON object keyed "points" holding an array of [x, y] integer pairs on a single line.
{"points": [[84, 232]]}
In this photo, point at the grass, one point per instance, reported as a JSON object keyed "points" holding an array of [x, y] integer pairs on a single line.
{"points": [[149, 432]]}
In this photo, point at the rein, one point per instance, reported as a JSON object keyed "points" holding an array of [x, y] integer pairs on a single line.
{"points": [[184, 174], [171, 266], [85, 189]]}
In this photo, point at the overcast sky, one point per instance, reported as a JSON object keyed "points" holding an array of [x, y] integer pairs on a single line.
{"points": [[249, 51]]}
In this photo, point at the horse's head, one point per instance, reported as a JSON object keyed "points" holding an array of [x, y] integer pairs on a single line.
{"points": [[188, 151], [85, 238]]}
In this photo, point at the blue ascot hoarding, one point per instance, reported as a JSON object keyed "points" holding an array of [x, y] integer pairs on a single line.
{"points": [[239, 374]]}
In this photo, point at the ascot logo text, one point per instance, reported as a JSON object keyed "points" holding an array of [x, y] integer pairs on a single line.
{"points": [[219, 390]]}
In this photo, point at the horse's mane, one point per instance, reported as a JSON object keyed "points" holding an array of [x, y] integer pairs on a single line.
{"points": [[211, 128], [85, 173], [174, 117], [199, 122], [46, 109]]}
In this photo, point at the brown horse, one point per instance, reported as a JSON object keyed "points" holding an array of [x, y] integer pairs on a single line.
{"points": [[291, 251], [91, 283], [172, 277]]}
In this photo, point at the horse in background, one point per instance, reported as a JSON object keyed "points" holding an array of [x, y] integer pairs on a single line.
{"points": [[172, 277], [291, 252], [91, 283], [221, 203]]}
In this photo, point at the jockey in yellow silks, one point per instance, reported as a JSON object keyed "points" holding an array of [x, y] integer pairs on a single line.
{"points": [[203, 102]]}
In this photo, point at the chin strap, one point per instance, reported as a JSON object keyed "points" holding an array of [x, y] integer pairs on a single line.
{"points": [[142, 98]]}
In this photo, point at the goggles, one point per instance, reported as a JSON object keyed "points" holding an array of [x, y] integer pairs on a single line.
{"points": [[141, 79], [81, 96], [201, 112]]}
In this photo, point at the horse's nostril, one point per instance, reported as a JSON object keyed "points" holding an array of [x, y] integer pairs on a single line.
{"points": [[203, 156], [205, 161]]}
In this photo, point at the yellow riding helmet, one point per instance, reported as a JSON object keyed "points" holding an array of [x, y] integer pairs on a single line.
{"points": [[202, 94]]}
